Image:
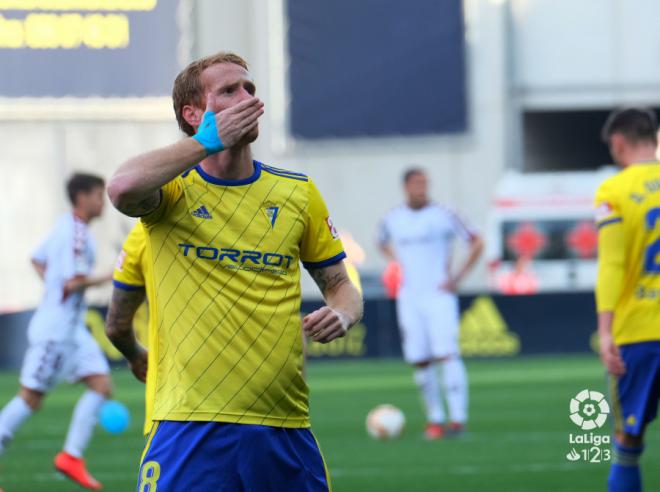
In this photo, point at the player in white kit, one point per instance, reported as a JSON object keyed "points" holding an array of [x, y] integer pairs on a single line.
{"points": [[60, 346], [419, 235]]}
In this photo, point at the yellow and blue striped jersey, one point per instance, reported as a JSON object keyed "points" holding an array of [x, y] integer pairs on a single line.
{"points": [[133, 267], [226, 304], [627, 213]]}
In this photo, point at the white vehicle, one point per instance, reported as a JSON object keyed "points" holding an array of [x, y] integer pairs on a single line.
{"points": [[541, 235]]}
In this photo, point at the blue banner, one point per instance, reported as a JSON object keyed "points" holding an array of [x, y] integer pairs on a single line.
{"points": [[491, 326], [376, 67]]}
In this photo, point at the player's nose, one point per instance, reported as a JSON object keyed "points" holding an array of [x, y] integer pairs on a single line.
{"points": [[244, 94]]}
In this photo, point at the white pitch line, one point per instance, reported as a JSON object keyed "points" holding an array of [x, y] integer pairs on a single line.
{"points": [[108, 476], [456, 470]]}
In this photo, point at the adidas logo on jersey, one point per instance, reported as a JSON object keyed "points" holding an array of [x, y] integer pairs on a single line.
{"points": [[202, 213]]}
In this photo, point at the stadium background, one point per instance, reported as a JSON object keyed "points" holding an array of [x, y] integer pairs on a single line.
{"points": [[501, 101]]}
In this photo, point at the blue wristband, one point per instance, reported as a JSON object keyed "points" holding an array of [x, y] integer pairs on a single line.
{"points": [[207, 134]]}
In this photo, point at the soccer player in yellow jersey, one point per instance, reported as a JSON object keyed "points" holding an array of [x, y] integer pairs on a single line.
{"points": [[129, 292], [628, 287], [225, 235]]}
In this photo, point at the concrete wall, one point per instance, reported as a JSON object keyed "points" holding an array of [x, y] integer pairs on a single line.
{"points": [[587, 53]]}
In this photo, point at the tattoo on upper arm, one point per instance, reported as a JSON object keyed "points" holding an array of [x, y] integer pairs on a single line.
{"points": [[145, 206], [122, 308], [328, 278]]}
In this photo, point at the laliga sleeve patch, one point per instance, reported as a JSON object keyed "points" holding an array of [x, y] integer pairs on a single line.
{"points": [[603, 211], [332, 228], [119, 266]]}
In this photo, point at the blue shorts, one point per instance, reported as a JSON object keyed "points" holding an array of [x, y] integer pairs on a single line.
{"points": [[635, 395], [223, 457]]}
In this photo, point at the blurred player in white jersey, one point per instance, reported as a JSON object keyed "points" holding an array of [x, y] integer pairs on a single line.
{"points": [[418, 235], [60, 346]]}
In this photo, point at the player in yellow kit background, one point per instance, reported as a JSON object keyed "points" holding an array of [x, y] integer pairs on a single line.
{"points": [[225, 237], [628, 287]]}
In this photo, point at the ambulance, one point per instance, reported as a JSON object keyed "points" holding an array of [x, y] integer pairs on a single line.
{"points": [[541, 235]]}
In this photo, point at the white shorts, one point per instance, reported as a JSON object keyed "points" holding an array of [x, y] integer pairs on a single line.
{"points": [[49, 362], [429, 326]]}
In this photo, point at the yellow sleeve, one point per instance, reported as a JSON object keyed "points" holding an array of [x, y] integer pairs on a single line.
{"points": [[128, 274], [611, 248], [611, 270], [320, 245], [169, 194]]}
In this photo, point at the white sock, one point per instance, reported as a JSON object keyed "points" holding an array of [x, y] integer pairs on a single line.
{"points": [[427, 380], [11, 418], [82, 423], [456, 389]]}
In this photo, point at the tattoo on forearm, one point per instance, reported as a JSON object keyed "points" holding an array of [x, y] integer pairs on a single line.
{"points": [[326, 279], [119, 323]]}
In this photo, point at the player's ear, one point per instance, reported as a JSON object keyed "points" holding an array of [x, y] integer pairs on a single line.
{"points": [[192, 115], [617, 145]]}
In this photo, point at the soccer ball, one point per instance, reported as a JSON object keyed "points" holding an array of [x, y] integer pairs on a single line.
{"points": [[385, 422], [114, 417]]}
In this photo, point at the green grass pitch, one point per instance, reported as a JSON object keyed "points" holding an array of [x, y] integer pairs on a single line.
{"points": [[517, 438]]}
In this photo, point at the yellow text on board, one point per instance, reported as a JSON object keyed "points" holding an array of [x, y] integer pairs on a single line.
{"points": [[65, 31], [68, 24], [94, 5]]}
